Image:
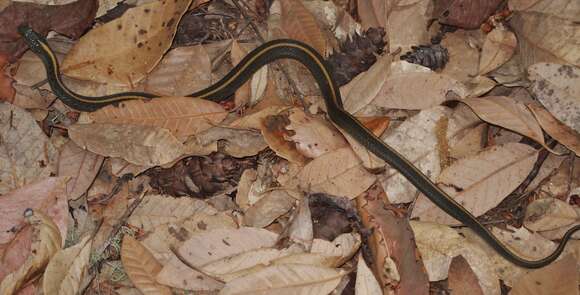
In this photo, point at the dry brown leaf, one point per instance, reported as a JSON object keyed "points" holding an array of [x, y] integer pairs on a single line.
{"points": [[81, 166], [124, 50], [46, 241], [286, 279], [508, 113], [563, 8], [47, 195], [301, 25], [464, 54], [252, 90], [558, 278], [366, 283], [140, 145], [27, 153], [183, 116], [372, 13], [343, 247], [548, 214], [499, 46], [178, 275], [365, 87], [538, 43], [556, 129], [337, 173], [557, 87], [270, 206], [275, 132], [480, 182], [141, 267], [66, 270], [301, 231], [438, 244], [462, 280], [182, 71], [313, 136]]}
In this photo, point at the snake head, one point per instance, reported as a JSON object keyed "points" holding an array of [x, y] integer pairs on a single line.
{"points": [[32, 38]]}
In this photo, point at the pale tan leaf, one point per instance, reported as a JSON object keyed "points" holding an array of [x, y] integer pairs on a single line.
{"points": [[141, 267], [365, 87], [549, 213], [480, 182], [564, 8], [407, 23], [438, 244], [65, 272], [366, 283], [301, 25], [508, 113], [209, 246], [464, 54], [47, 195], [337, 173], [309, 258], [558, 278], [46, 241], [178, 275], [140, 145], [246, 194], [239, 143], [499, 46], [182, 71], [253, 119], [183, 116], [286, 279], [377, 125], [343, 246], [270, 206], [313, 136], [26, 152], [556, 129], [156, 210], [301, 230], [275, 134], [462, 279], [81, 166], [557, 87], [123, 51], [372, 13], [538, 43]]}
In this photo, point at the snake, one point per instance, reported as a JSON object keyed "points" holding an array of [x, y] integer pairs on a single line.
{"points": [[319, 69]]}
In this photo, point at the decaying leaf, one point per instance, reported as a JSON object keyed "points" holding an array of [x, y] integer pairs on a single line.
{"points": [[237, 143], [366, 283], [480, 182], [81, 166], [270, 206], [344, 247], [183, 116], [467, 14], [178, 275], [26, 154], [252, 90], [562, 133], [365, 87], [558, 278], [124, 50], [141, 145], [313, 136], [301, 25], [549, 213], [462, 280], [141, 267], [65, 272], [301, 230], [499, 46]]}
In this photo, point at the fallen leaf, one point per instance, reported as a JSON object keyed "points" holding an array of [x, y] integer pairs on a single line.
{"points": [[238, 143], [123, 51], [344, 247], [81, 166], [461, 279], [406, 23], [183, 116], [480, 182], [301, 230], [313, 136], [286, 279], [27, 153], [301, 25], [7, 92], [337, 173], [467, 14], [499, 46], [140, 145], [366, 283], [464, 54], [141, 267], [365, 87], [548, 214], [557, 87], [270, 206], [275, 132], [67, 268], [182, 71], [178, 275], [558, 278], [556, 129], [251, 91]]}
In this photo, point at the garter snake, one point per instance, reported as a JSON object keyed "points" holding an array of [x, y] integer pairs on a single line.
{"points": [[315, 63]]}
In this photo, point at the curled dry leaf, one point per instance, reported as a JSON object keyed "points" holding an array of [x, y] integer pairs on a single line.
{"points": [[556, 129], [301, 25], [366, 283], [46, 241], [26, 154], [286, 279], [301, 230], [66, 270], [141, 267], [548, 214], [275, 132], [47, 195], [140, 145], [270, 206], [480, 182], [182, 71], [499, 46], [558, 278], [343, 247], [313, 136], [81, 166], [365, 87], [557, 87], [508, 113], [183, 116], [338, 173], [461, 277], [124, 50]]}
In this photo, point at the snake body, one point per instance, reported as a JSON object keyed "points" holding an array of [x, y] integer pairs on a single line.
{"points": [[315, 63]]}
